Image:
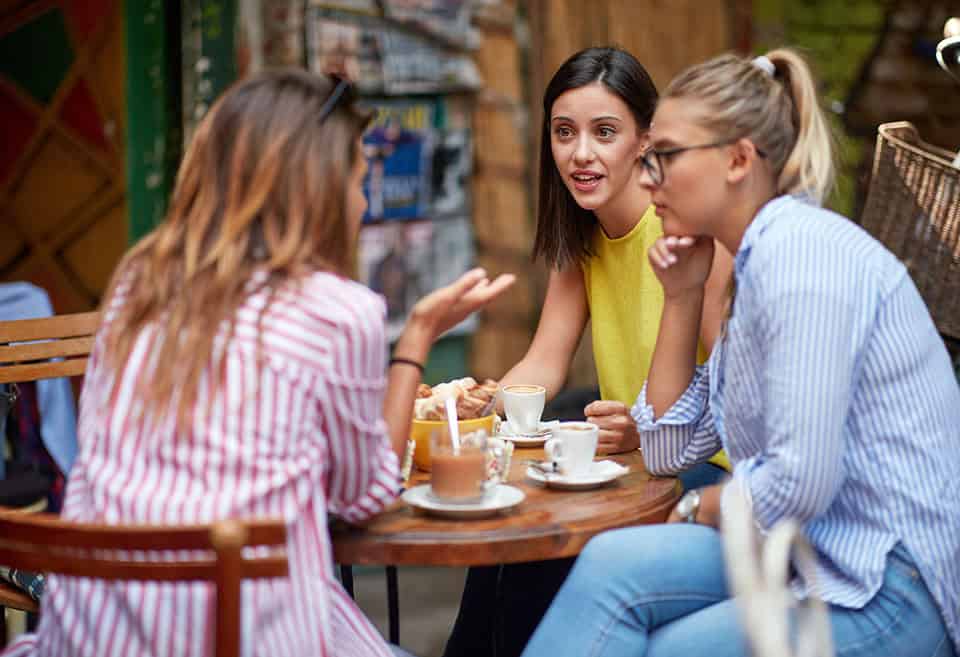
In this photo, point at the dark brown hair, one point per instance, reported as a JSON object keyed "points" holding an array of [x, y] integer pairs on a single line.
{"points": [[262, 187], [564, 229]]}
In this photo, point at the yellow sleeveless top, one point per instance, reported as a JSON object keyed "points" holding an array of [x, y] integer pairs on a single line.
{"points": [[626, 301]]}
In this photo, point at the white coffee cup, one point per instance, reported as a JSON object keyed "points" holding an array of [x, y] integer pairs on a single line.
{"points": [[573, 447], [523, 406]]}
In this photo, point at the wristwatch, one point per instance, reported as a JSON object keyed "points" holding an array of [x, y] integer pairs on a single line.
{"points": [[688, 505]]}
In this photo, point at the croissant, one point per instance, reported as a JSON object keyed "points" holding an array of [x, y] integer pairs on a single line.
{"points": [[473, 400], [470, 406]]}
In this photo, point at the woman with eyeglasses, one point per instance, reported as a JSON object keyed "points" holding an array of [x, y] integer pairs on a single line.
{"points": [[240, 372], [594, 226], [829, 388]]}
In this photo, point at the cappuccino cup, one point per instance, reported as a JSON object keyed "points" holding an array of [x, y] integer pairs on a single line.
{"points": [[523, 406], [572, 447]]}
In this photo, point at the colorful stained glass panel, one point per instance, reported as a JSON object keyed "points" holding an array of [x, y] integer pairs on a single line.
{"points": [[37, 55], [59, 182], [17, 125], [79, 111], [86, 15]]}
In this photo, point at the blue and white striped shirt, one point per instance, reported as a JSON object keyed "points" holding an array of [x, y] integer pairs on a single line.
{"points": [[834, 397]]}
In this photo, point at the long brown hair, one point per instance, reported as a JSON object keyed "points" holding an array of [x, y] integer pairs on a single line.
{"points": [[564, 229], [262, 188]]}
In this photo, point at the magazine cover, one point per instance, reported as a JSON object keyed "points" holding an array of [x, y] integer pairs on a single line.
{"points": [[384, 56], [397, 261], [445, 19], [453, 255], [383, 268], [451, 171], [348, 50], [399, 151], [418, 250]]}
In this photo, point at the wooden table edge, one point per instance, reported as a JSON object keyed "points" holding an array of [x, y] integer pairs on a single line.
{"points": [[357, 548]]}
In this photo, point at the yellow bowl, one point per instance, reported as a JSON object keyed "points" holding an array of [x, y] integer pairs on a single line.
{"points": [[420, 431]]}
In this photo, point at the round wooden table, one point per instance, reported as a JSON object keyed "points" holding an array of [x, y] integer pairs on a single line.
{"points": [[548, 524]]}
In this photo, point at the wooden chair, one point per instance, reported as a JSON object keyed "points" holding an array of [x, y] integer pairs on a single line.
{"points": [[10, 596], [44, 543], [66, 338]]}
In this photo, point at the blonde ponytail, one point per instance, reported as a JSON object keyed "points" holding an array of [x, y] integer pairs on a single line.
{"points": [[780, 113], [809, 167]]}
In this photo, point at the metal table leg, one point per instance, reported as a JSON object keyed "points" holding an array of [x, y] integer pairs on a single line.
{"points": [[346, 578], [393, 605]]}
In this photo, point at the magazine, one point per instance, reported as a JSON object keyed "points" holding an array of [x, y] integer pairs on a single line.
{"points": [[399, 150]]}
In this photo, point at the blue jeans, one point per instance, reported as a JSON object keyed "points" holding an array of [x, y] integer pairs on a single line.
{"points": [[660, 591], [702, 475]]}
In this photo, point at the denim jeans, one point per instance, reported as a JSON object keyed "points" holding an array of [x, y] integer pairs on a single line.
{"points": [[502, 605], [661, 591]]}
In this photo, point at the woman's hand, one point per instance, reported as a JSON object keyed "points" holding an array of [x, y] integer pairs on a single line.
{"points": [[618, 431], [681, 263], [709, 512], [431, 316], [446, 307]]}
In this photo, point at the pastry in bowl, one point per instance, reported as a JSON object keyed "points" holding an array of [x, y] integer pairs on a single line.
{"points": [[475, 402]]}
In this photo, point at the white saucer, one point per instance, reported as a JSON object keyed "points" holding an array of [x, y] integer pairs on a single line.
{"points": [[536, 439], [498, 498], [601, 472]]}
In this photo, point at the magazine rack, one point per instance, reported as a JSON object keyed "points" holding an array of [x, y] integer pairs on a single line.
{"points": [[913, 207]]}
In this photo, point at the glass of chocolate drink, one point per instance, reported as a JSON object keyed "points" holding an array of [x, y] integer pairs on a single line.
{"points": [[458, 472]]}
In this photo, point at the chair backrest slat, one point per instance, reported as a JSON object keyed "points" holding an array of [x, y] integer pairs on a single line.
{"points": [[107, 569], [36, 371], [50, 328], [27, 344], [20, 353], [215, 553], [48, 529]]}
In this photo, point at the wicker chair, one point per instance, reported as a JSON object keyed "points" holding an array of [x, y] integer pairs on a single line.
{"points": [[913, 207]]}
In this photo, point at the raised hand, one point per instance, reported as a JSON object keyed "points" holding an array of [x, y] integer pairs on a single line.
{"points": [[681, 263], [448, 306]]}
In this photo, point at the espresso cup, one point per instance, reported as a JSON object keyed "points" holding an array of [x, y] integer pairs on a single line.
{"points": [[572, 447], [523, 406]]}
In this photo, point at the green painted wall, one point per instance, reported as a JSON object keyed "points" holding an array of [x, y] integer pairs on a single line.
{"points": [[153, 123], [837, 36], [176, 50]]}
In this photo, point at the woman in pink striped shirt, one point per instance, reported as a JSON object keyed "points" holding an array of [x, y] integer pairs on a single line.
{"points": [[240, 372]]}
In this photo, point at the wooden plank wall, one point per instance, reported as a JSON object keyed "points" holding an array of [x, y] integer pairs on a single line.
{"points": [[503, 226], [523, 44]]}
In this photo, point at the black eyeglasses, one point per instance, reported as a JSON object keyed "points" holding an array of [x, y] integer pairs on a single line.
{"points": [[652, 159], [338, 92]]}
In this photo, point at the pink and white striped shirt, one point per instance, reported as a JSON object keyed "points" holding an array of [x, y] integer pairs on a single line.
{"points": [[300, 435]]}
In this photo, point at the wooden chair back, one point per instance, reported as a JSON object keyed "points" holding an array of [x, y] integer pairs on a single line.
{"points": [[28, 345], [44, 543]]}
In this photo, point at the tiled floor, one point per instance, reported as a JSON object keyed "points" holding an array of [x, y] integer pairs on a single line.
{"points": [[429, 599]]}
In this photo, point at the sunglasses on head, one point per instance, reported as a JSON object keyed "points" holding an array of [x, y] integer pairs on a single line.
{"points": [[339, 90]]}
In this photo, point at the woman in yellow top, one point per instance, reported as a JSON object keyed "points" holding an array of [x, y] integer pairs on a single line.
{"points": [[595, 225]]}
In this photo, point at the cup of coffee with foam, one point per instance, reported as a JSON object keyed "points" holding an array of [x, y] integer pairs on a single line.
{"points": [[572, 447], [523, 406]]}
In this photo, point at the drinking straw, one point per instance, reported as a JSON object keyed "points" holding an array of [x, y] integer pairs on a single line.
{"points": [[451, 404]]}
